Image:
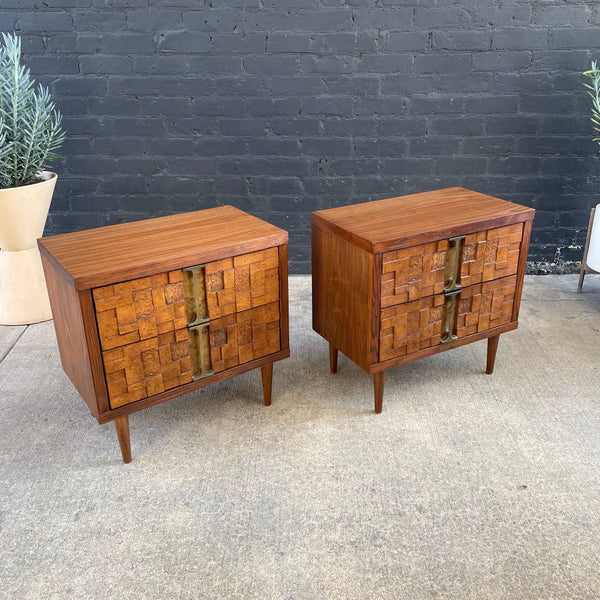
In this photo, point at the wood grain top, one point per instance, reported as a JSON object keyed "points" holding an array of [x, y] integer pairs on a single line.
{"points": [[116, 253], [400, 222]]}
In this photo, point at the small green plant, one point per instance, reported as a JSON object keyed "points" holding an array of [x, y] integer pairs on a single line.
{"points": [[593, 88], [30, 128]]}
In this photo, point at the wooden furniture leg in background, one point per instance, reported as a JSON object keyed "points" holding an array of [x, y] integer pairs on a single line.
{"points": [[122, 427], [492, 347], [378, 383], [333, 356], [584, 267], [267, 382]]}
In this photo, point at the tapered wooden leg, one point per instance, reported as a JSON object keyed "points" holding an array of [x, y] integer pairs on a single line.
{"points": [[267, 382], [581, 276], [378, 383], [122, 427], [333, 355], [491, 353]]}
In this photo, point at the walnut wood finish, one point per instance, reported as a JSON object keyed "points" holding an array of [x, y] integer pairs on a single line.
{"points": [[491, 254], [492, 347], [121, 307], [486, 305], [420, 271], [400, 279], [148, 367], [342, 294], [98, 257], [139, 309], [411, 326], [333, 358], [413, 273], [419, 218], [266, 373], [242, 282], [242, 337], [70, 331], [194, 385], [122, 428], [378, 384]]}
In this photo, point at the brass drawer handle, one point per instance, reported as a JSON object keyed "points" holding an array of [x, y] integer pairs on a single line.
{"points": [[200, 351], [452, 265], [194, 287], [449, 316]]}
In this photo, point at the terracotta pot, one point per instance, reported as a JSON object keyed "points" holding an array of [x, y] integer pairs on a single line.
{"points": [[23, 214]]}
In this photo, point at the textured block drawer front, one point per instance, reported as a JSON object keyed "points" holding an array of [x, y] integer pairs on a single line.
{"points": [[139, 309], [419, 271], [242, 282], [239, 338], [410, 327], [485, 305], [413, 273], [147, 367], [492, 254]]}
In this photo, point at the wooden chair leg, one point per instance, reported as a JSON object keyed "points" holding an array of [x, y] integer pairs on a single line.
{"points": [[581, 277], [492, 347], [122, 427], [267, 382], [378, 383], [333, 357], [585, 252]]}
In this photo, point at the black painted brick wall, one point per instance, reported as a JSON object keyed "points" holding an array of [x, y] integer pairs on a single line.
{"points": [[282, 107]]}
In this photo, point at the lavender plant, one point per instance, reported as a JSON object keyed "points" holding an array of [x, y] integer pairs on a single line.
{"points": [[30, 130]]}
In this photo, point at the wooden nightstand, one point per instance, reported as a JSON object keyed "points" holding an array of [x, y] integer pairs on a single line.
{"points": [[150, 310], [399, 279]]}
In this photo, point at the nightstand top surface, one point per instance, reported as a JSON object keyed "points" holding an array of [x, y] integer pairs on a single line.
{"points": [[115, 253], [393, 223]]}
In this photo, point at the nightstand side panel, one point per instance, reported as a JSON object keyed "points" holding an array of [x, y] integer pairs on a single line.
{"points": [[342, 276], [70, 331]]}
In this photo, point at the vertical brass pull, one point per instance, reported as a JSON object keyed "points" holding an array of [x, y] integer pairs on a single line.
{"points": [[449, 316], [200, 351], [452, 266], [194, 289]]}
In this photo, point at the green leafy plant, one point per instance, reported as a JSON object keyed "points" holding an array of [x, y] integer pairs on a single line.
{"points": [[593, 88], [30, 128]]}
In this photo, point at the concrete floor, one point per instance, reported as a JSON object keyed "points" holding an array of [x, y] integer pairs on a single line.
{"points": [[466, 486]]}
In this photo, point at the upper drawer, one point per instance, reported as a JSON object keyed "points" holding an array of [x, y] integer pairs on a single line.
{"points": [[142, 308], [420, 271]]}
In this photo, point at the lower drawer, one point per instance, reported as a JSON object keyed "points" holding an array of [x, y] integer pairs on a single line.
{"points": [[423, 323], [239, 338], [148, 367]]}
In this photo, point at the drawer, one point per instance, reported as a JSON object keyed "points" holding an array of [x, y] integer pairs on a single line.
{"points": [[242, 337], [442, 318], [147, 367], [231, 285], [432, 268], [139, 309], [165, 330]]}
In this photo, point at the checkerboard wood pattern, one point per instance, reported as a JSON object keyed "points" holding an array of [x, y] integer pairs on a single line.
{"points": [[139, 309], [411, 326], [491, 254], [239, 338], [486, 305], [419, 271], [413, 273], [242, 282], [147, 367]]}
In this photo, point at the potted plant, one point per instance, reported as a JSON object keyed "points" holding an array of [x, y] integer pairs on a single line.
{"points": [[30, 132]]}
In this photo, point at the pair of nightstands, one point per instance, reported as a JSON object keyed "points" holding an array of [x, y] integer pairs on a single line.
{"points": [[150, 310]]}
